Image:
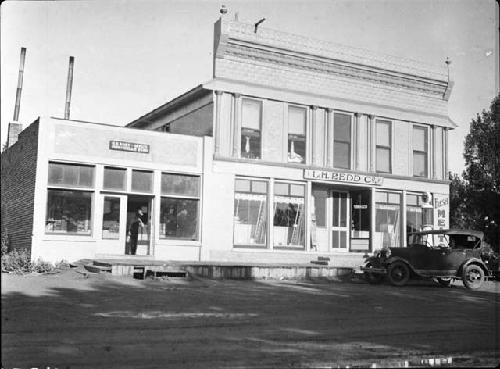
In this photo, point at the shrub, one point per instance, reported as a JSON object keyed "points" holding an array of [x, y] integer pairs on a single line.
{"points": [[5, 243], [17, 261], [41, 266]]}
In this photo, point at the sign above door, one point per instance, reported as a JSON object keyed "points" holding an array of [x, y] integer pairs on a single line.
{"points": [[325, 175]]}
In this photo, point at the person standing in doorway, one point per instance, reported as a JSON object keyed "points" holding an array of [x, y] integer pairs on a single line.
{"points": [[133, 232]]}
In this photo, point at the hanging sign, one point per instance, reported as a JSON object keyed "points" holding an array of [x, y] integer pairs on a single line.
{"points": [[325, 175], [129, 146]]}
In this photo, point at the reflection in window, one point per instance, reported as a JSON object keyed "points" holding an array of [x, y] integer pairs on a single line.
{"points": [[387, 219], [115, 179], [250, 212], [69, 212], [142, 181], [419, 151], [111, 218], [73, 175], [179, 210], [296, 134], [250, 129], [342, 140], [288, 210], [383, 153]]}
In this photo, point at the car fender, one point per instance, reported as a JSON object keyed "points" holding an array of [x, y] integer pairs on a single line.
{"points": [[393, 259], [476, 261], [374, 261]]}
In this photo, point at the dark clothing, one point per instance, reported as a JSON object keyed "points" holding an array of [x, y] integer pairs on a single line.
{"points": [[134, 235], [133, 244]]}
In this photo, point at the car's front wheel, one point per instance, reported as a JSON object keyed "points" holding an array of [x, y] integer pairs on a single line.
{"points": [[473, 277], [398, 273], [372, 278]]}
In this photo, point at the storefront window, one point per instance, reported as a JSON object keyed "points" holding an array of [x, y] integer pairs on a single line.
{"points": [[342, 140], [250, 213], [69, 212], [250, 129], [296, 134], [179, 210], [388, 223], [360, 214], [115, 179], [142, 181], [111, 218], [288, 210], [72, 175], [414, 213]]}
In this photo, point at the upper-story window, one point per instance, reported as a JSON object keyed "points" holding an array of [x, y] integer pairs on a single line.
{"points": [[342, 140], [296, 134], [384, 139], [251, 113], [420, 151]]}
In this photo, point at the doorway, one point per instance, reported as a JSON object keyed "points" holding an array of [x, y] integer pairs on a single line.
{"points": [[333, 219], [144, 204]]}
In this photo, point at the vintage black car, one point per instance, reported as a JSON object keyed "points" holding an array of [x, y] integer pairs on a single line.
{"points": [[441, 254]]}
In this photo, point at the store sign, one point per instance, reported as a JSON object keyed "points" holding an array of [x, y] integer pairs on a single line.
{"points": [[129, 146], [441, 211], [325, 175], [360, 207]]}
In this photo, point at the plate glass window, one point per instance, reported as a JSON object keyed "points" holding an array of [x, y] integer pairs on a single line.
{"points": [[289, 217], [251, 129], [342, 140], [383, 146], [180, 203], [69, 212], [111, 218], [142, 181], [296, 134], [115, 179], [71, 175], [419, 152], [388, 219], [250, 213]]}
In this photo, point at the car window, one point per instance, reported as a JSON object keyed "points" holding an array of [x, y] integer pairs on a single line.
{"points": [[463, 241]]}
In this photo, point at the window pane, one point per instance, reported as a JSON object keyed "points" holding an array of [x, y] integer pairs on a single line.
{"points": [[289, 222], [387, 225], [178, 184], [383, 133], [250, 115], [360, 214], [320, 197], [419, 164], [412, 199], [71, 174], [297, 190], [281, 189], [296, 120], [394, 198], [259, 187], [420, 139], [335, 212], [69, 212], [242, 185], [111, 218], [250, 219], [115, 179], [296, 148], [414, 219], [179, 218], [142, 181], [342, 155], [250, 143], [342, 127], [383, 160], [381, 196]]}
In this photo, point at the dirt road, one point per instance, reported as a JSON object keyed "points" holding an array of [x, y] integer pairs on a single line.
{"points": [[66, 321]]}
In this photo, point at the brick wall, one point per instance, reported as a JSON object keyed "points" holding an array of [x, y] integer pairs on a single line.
{"points": [[18, 173]]}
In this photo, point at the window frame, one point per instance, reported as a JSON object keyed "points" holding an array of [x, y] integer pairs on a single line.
{"points": [[242, 127], [350, 142], [424, 128], [287, 151], [384, 147], [186, 197]]}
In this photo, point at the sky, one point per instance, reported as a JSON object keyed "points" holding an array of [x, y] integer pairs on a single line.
{"points": [[133, 55]]}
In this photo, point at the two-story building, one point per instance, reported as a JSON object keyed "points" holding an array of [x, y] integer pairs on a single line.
{"points": [[296, 148]]}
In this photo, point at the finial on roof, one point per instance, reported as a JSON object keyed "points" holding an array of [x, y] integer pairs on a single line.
{"points": [[448, 62], [258, 24], [223, 9]]}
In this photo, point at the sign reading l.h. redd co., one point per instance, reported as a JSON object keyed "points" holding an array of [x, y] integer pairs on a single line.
{"points": [[325, 175]]}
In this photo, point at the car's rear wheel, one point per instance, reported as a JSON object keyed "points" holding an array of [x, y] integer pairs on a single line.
{"points": [[473, 277], [445, 282], [372, 278], [398, 273]]}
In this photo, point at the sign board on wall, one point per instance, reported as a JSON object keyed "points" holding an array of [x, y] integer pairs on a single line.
{"points": [[325, 175], [441, 211], [129, 146]]}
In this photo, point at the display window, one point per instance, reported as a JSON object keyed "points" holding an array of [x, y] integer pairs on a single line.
{"points": [[69, 212], [289, 215], [179, 208], [360, 203], [250, 213], [388, 219]]}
